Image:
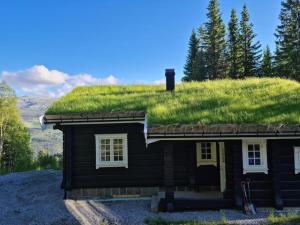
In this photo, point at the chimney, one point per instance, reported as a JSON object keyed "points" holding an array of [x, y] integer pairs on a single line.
{"points": [[170, 79]]}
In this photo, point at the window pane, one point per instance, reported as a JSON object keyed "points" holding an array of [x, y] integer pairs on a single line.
{"points": [[208, 156], [257, 161], [257, 154], [105, 149], [256, 147], [250, 154], [250, 147], [251, 161], [203, 156], [118, 149]]}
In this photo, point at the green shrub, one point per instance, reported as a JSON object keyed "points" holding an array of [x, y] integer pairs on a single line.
{"points": [[46, 161]]}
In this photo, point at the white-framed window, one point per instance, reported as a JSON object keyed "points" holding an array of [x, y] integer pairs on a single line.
{"points": [[111, 150], [255, 156], [206, 153], [297, 159]]}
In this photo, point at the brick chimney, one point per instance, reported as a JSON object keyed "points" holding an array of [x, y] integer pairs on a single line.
{"points": [[170, 79]]}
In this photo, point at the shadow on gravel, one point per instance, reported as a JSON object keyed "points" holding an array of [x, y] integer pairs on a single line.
{"points": [[35, 198]]}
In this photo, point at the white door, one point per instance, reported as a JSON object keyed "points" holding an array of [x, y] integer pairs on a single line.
{"points": [[222, 167]]}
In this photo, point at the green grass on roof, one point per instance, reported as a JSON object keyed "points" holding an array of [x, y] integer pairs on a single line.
{"points": [[263, 101]]}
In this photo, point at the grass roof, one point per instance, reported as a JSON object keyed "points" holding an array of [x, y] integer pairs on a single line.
{"points": [[256, 101]]}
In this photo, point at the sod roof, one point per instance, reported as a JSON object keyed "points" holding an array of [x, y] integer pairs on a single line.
{"points": [[250, 101]]}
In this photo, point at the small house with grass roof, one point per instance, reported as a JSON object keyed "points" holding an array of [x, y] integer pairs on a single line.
{"points": [[191, 145]]}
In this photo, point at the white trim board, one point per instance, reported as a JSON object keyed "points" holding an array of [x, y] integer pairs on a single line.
{"points": [[104, 122]]}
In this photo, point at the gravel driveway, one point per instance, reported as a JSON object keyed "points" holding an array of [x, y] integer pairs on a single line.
{"points": [[36, 198]]}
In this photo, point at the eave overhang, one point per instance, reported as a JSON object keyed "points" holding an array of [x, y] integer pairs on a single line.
{"points": [[112, 117]]}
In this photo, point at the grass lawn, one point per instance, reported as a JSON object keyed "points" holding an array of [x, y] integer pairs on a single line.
{"points": [[258, 101], [291, 218], [165, 222]]}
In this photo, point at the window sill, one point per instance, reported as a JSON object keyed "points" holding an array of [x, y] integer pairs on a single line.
{"points": [[255, 170], [112, 165], [206, 163]]}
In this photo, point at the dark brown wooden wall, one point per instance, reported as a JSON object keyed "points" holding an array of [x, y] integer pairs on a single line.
{"points": [[262, 184], [145, 166], [289, 181]]}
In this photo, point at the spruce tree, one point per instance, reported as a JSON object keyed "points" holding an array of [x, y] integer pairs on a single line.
{"points": [[266, 69], [191, 66], [234, 47], [251, 52], [201, 57], [287, 57], [215, 42]]}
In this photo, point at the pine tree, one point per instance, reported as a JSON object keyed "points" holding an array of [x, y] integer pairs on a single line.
{"points": [[191, 66], [251, 52], [266, 69], [234, 47], [215, 42], [287, 57]]}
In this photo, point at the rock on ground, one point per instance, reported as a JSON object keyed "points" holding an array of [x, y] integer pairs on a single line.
{"points": [[35, 198]]}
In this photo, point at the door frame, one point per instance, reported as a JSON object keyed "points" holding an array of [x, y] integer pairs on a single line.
{"points": [[222, 164]]}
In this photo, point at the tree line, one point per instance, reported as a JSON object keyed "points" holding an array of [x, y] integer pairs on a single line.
{"points": [[16, 152], [216, 51]]}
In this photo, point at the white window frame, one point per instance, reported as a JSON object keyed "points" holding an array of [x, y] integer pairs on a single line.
{"points": [[263, 168], [297, 159], [212, 161], [111, 163]]}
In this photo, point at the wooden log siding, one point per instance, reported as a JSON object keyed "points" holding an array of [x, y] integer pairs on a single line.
{"points": [[169, 175], [236, 148], [145, 166], [289, 183], [275, 170], [68, 140]]}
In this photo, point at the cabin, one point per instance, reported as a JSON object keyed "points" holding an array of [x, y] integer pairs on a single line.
{"points": [[132, 142]]}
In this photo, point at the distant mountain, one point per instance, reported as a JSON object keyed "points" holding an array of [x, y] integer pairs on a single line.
{"points": [[31, 109]]}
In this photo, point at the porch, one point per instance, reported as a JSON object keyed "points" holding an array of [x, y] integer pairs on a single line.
{"points": [[205, 168], [213, 185]]}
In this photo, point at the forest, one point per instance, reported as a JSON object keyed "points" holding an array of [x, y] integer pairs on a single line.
{"points": [[217, 51]]}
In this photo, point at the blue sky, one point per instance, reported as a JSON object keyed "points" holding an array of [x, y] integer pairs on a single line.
{"points": [[123, 41]]}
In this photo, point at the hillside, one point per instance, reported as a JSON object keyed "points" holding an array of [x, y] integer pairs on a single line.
{"points": [[263, 101], [31, 109]]}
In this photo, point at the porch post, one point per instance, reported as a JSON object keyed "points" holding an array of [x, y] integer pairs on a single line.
{"points": [[237, 172], [275, 164], [169, 176]]}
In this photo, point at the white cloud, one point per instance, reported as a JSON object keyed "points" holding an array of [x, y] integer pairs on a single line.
{"points": [[39, 80], [162, 81]]}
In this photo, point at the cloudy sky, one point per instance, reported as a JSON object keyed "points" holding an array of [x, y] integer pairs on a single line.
{"points": [[49, 47]]}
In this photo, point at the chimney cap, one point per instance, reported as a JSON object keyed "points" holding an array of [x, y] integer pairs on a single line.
{"points": [[170, 71]]}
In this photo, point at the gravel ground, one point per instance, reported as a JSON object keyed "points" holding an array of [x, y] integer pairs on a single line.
{"points": [[36, 198]]}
